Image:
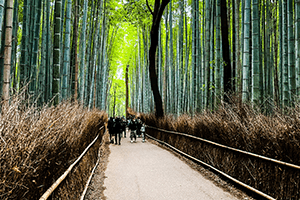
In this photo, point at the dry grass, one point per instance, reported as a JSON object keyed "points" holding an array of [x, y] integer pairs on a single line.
{"points": [[276, 136], [38, 144]]}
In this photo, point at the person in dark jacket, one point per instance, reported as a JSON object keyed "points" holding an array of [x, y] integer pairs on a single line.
{"points": [[133, 127], [110, 126], [124, 125], [139, 125], [115, 129], [118, 130]]}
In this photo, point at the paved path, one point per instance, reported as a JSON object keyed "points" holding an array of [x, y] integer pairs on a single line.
{"points": [[144, 171]]}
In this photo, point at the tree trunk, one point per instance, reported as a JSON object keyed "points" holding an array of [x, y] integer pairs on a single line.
{"points": [[127, 98], [157, 14]]}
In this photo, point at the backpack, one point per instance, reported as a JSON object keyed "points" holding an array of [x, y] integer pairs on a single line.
{"points": [[114, 124], [143, 128]]}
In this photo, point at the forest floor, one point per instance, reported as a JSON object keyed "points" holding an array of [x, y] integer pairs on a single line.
{"points": [[148, 170]]}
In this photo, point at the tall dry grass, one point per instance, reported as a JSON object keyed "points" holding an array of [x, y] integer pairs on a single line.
{"points": [[38, 144], [276, 136]]}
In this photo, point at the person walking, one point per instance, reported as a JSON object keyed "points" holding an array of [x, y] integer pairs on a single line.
{"points": [[133, 127], [143, 130]]}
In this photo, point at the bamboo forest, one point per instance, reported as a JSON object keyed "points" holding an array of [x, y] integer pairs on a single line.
{"points": [[213, 78], [206, 53]]}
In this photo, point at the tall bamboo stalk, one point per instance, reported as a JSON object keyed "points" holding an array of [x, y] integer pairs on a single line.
{"points": [[207, 52], [66, 57], [297, 36], [89, 54], [212, 53], [14, 45], [256, 98], [24, 44], [246, 60], [56, 53], [166, 80], [194, 58], [82, 51], [1, 15], [7, 54], [42, 68], [218, 54], [36, 40], [285, 69], [171, 65], [48, 83], [96, 46], [291, 52], [74, 55]]}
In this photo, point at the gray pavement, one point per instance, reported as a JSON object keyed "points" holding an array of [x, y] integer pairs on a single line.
{"points": [[144, 171]]}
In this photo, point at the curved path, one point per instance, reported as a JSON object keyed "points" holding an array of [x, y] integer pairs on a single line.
{"points": [[144, 171]]}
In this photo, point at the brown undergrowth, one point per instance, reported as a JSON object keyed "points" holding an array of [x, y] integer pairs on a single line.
{"points": [[275, 136], [38, 144]]}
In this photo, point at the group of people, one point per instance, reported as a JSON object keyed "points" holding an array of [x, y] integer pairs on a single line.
{"points": [[117, 126]]}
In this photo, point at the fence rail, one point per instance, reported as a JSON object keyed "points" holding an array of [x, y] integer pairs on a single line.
{"points": [[62, 177], [92, 173], [230, 148], [214, 166]]}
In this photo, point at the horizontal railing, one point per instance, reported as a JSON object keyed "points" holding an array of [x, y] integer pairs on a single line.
{"points": [[62, 177], [229, 149]]}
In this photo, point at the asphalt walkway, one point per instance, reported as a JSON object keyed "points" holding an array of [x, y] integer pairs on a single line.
{"points": [[144, 171]]}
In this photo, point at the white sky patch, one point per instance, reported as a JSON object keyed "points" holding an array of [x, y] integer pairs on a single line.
{"points": [[119, 73]]}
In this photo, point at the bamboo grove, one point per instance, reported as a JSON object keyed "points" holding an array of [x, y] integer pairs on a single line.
{"points": [[58, 50], [213, 50], [208, 51]]}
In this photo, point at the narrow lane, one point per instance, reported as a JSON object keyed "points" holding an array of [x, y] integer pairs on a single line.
{"points": [[144, 171]]}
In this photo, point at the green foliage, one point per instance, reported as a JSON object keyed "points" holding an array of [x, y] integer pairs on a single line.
{"points": [[137, 12], [117, 91], [122, 48], [121, 55]]}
